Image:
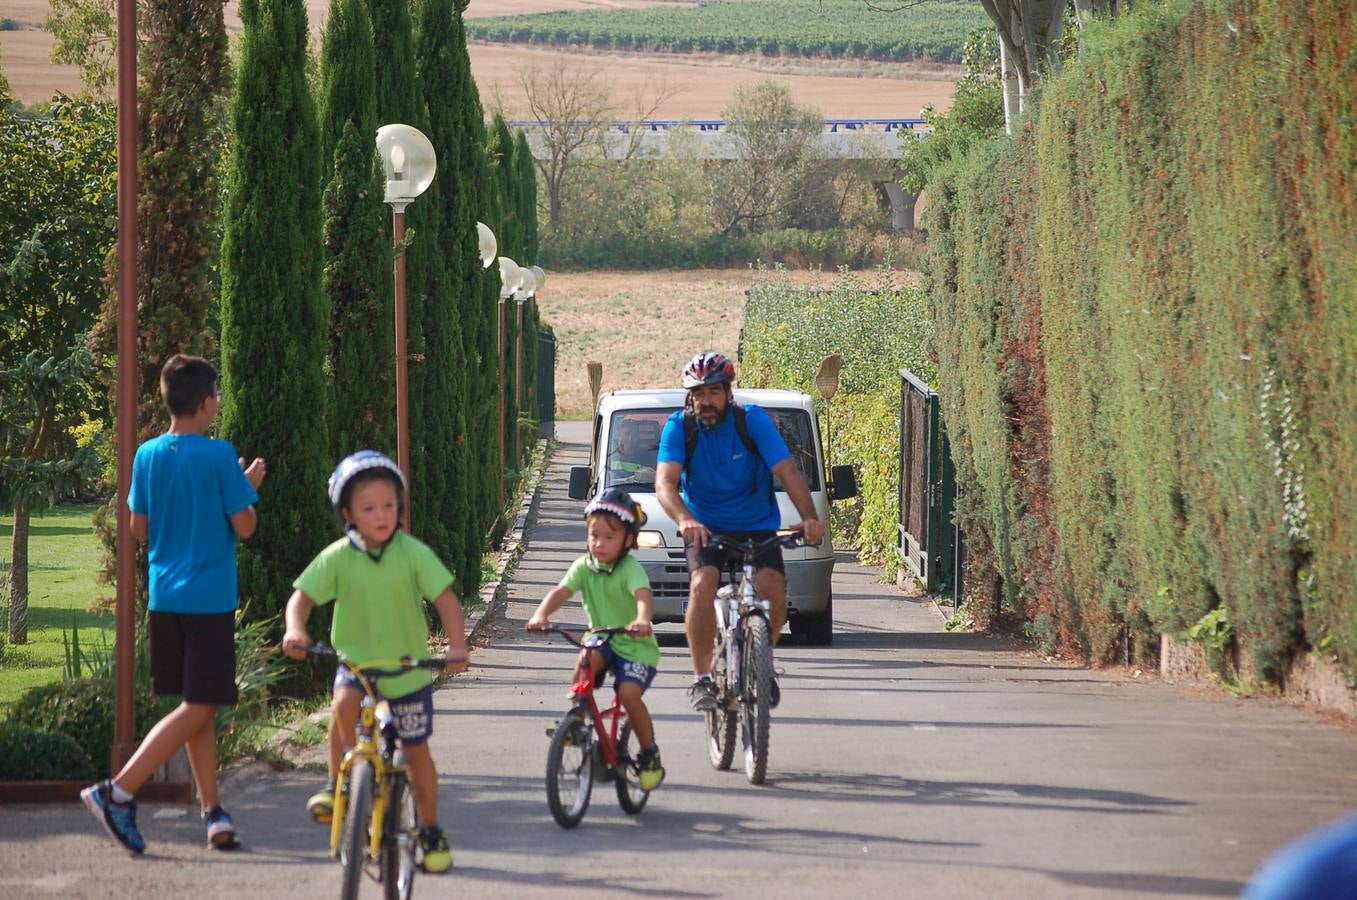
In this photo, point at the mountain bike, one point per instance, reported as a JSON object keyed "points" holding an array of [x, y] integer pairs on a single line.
{"points": [[589, 742], [375, 828], [743, 663]]}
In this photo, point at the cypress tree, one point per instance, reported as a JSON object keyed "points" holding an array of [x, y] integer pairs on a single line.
{"points": [[479, 295], [273, 312], [445, 507], [526, 186], [183, 66], [358, 264], [508, 228]]}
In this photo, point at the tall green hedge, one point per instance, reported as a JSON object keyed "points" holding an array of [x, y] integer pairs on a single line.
{"points": [[1146, 311]]}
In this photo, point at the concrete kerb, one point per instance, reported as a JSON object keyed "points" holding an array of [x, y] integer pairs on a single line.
{"points": [[495, 594]]}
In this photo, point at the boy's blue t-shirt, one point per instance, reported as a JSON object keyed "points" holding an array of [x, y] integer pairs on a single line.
{"points": [[717, 484], [188, 486]]}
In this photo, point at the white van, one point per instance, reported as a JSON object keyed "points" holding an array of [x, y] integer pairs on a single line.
{"points": [[626, 440]]}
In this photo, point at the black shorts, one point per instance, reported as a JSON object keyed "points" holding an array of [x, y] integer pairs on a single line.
{"points": [[768, 558], [193, 656]]}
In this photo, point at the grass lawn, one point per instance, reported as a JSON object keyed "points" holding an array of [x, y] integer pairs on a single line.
{"points": [[63, 558]]}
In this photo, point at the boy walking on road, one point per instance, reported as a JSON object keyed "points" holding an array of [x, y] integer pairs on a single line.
{"points": [[191, 499]]}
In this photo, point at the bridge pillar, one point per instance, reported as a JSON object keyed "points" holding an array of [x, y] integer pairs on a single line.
{"points": [[900, 203]]}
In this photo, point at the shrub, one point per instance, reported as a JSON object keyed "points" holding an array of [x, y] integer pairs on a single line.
{"points": [[82, 710], [41, 755]]}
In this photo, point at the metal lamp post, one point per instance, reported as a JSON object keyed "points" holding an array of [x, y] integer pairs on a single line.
{"points": [[510, 277], [409, 161]]}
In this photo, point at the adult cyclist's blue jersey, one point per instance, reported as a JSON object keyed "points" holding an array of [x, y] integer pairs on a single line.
{"points": [[727, 487]]}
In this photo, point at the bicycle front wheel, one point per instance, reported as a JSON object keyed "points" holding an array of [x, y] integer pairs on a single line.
{"points": [[722, 721], [756, 680], [399, 837], [570, 770], [353, 844]]}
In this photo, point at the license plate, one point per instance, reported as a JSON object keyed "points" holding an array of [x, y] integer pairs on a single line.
{"points": [[683, 608]]}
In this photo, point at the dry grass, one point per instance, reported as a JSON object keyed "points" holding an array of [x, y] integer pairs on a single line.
{"points": [[643, 326], [702, 83]]}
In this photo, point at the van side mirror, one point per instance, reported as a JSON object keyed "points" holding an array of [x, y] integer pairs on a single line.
{"points": [[843, 482], [580, 478]]}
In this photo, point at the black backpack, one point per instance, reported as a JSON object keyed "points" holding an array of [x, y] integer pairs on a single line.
{"points": [[690, 429]]}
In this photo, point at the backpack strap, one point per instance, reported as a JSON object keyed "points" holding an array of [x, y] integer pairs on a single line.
{"points": [[690, 431]]}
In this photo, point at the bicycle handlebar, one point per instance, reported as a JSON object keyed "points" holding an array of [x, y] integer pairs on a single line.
{"points": [[750, 547], [378, 668], [573, 635]]}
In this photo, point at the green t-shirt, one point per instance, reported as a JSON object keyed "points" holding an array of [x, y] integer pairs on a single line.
{"points": [[379, 604], [610, 602]]}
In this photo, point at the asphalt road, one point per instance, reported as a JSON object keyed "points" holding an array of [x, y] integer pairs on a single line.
{"points": [[906, 761]]}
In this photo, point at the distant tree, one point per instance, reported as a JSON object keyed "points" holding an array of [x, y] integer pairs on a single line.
{"points": [[85, 34], [5, 96], [976, 114], [274, 315], [358, 262], [572, 106], [773, 143], [57, 205]]}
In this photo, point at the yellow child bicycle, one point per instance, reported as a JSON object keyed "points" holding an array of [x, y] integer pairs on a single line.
{"points": [[375, 829]]}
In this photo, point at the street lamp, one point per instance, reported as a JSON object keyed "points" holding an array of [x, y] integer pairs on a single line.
{"points": [[409, 161], [488, 245]]}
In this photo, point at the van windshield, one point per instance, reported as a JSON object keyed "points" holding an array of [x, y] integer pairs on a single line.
{"points": [[634, 443]]}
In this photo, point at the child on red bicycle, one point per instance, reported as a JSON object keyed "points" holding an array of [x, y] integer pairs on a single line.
{"points": [[616, 593], [378, 578]]}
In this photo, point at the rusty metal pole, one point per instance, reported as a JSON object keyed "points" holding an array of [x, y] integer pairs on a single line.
{"points": [[126, 623], [402, 372], [518, 375]]}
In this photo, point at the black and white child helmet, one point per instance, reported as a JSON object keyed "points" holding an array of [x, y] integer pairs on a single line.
{"points": [[342, 481], [617, 502]]}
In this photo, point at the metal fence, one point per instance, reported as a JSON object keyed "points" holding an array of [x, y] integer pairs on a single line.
{"points": [[930, 544], [546, 382]]}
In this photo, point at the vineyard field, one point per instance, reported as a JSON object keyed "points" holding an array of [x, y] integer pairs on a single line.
{"points": [[833, 29]]}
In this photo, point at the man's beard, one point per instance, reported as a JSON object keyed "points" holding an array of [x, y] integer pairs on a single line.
{"points": [[707, 413]]}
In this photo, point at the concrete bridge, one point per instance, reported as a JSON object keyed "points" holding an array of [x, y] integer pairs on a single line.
{"points": [[710, 138]]}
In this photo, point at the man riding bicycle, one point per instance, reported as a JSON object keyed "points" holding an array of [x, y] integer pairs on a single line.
{"points": [[715, 472]]}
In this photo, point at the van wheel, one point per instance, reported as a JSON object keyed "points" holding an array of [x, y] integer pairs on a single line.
{"points": [[817, 630]]}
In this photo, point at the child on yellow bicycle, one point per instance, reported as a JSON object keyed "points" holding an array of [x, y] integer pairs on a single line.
{"points": [[616, 593], [378, 577]]}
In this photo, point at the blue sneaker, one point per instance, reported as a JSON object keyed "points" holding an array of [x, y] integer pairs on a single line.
{"points": [[221, 834], [118, 819]]}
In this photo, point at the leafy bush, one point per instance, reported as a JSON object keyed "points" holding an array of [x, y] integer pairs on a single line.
{"points": [[39, 756], [877, 330], [82, 710]]}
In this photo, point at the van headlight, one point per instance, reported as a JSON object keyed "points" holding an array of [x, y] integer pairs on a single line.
{"points": [[648, 539]]}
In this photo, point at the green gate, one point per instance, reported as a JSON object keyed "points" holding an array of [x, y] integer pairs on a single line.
{"points": [[930, 544]]}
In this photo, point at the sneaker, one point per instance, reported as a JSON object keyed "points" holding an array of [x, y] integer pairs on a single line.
{"points": [[702, 694], [434, 843], [221, 834], [321, 804], [651, 773], [774, 695], [118, 819]]}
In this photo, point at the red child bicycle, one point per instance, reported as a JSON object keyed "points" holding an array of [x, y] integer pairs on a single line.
{"points": [[589, 742]]}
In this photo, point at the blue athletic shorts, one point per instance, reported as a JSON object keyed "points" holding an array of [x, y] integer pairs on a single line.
{"points": [[413, 712], [623, 669]]}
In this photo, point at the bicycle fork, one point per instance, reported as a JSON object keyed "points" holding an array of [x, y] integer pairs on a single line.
{"points": [[739, 602]]}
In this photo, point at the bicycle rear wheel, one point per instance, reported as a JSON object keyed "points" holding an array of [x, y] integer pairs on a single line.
{"points": [[570, 770], [353, 844], [722, 721], [630, 795], [757, 682], [399, 839]]}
